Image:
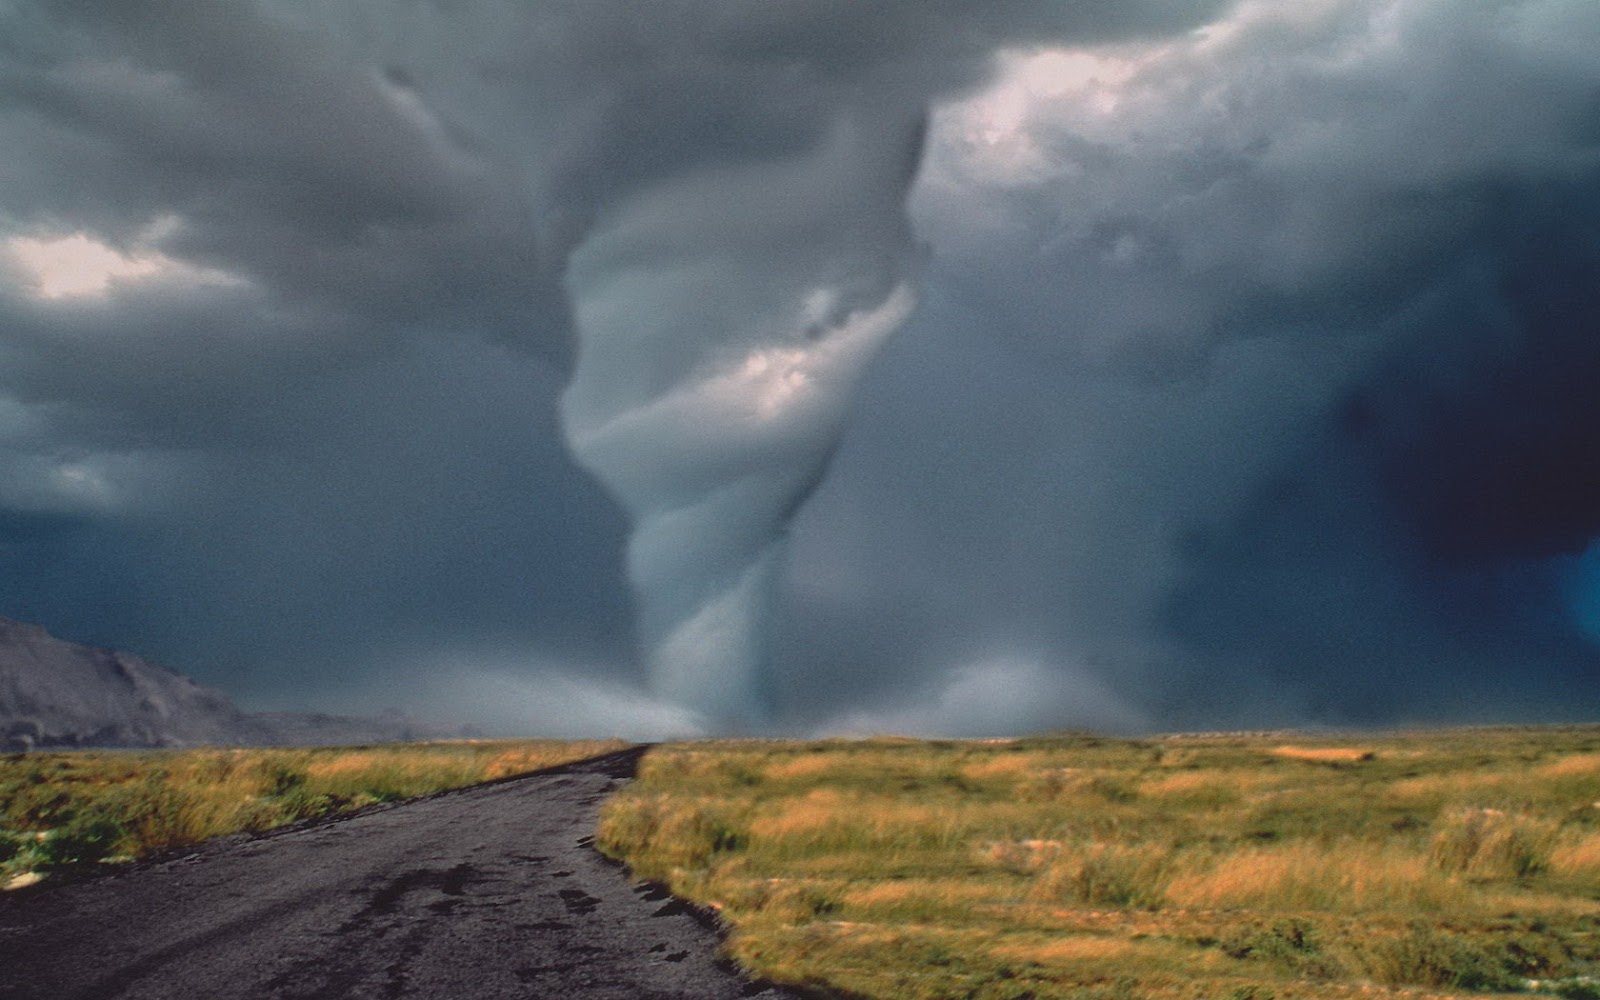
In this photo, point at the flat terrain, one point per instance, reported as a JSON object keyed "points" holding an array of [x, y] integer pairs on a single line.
{"points": [[483, 893], [1278, 866], [1267, 866]]}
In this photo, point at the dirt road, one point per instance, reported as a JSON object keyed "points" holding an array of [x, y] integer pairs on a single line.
{"points": [[480, 894]]}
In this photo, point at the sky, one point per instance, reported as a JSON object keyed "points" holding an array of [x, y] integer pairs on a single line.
{"points": [[581, 367]]}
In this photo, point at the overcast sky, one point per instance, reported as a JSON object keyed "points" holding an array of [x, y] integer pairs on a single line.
{"points": [[582, 366]]}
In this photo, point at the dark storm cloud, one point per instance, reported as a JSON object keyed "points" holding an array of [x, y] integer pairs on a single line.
{"points": [[1402, 561], [287, 165], [1427, 527], [278, 441], [1314, 294], [293, 471], [1249, 383], [1499, 464]]}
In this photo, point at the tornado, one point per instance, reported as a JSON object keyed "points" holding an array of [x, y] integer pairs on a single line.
{"points": [[714, 196], [711, 387]]}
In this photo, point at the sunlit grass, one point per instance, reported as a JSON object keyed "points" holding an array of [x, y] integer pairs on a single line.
{"points": [[1235, 867], [1326, 755], [1348, 877], [1577, 857], [68, 810]]}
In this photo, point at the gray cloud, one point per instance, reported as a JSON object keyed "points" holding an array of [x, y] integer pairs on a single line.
{"points": [[1283, 334], [1228, 377]]}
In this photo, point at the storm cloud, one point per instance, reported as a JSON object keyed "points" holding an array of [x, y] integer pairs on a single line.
{"points": [[1164, 364], [1280, 402]]}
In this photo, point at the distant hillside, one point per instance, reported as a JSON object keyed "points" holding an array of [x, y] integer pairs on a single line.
{"points": [[60, 694]]}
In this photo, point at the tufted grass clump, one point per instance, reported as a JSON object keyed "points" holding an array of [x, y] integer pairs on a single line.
{"points": [[1251, 867], [1487, 843]]}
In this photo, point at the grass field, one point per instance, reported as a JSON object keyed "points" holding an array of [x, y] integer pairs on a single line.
{"points": [[63, 811], [1236, 868]]}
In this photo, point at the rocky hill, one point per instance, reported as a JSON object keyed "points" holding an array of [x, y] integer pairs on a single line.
{"points": [[60, 694]]}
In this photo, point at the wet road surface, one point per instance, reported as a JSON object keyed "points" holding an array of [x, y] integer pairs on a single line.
{"points": [[484, 893]]}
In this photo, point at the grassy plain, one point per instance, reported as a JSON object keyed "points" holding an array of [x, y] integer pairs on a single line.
{"points": [[1448, 863], [73, 809]]}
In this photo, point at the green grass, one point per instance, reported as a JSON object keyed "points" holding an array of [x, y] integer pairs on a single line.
{"points": [[1445, 863], [65, 811]]}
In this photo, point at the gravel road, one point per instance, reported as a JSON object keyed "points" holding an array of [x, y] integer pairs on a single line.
{"points": [[484, 893]]}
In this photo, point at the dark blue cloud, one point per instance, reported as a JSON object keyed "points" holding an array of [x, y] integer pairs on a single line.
{"points": [[1307, 432]]}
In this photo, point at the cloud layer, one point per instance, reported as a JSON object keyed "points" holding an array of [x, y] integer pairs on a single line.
{"points": [[1265, 350], [1249, 383]]}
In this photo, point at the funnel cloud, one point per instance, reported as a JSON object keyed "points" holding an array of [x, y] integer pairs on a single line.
{"points": [[723, 320]]}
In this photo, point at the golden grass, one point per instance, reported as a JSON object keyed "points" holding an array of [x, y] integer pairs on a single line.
{"points": [[877, 898], [809, 818], [799, 767], [1102, 873], [1573, 765], [1578, 857], [1449, 863], [1223, 786], [64, 810], [354, 762], [1343, 877], [1487, 843], [1187, 783], [1009, 767], [1325, 755], [1071, 950], [1023, 857], [1452, 788]]}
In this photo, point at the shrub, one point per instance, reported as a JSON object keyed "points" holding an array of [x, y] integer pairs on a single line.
{"points": [[11, 845], [1105, 874], [663, 834], [1578, 988], [93, 837], [1292, 944], [1427, 957], [1492, 844]]}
